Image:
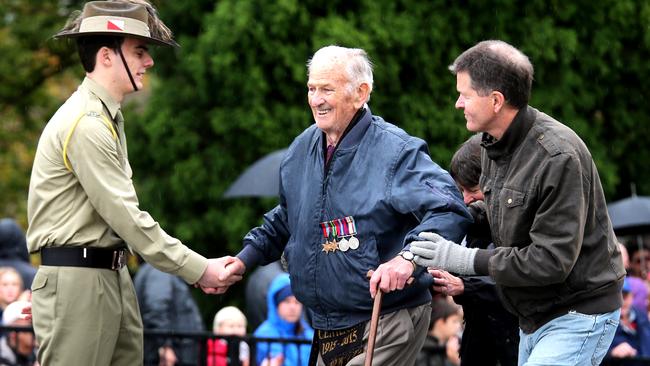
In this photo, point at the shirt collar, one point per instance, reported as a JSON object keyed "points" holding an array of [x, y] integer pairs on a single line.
{"points": [[512, 138], [109, 103]]}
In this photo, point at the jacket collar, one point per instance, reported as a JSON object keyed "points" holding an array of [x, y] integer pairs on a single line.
{"points": [[100, 92], [353, 135], [356, 132], [513, 136]]}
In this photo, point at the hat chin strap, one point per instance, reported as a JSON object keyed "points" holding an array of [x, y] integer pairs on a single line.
{"points": [[128, 71]]}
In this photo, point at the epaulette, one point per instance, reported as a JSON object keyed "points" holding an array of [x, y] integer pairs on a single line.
{"points": [[93, 114], [548, 144]]}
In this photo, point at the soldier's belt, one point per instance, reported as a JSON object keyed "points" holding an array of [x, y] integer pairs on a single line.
{"points": [[104, 258]]}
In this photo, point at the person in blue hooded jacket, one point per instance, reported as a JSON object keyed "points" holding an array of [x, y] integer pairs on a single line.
{"points": [[355, 191], [284, 321]]}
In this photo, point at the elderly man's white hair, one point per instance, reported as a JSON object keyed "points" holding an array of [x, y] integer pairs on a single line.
{"points": [[358, 67]]}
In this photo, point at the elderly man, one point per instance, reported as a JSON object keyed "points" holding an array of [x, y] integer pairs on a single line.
{"points": [[557, 265], [82, 207], [355, 191]]}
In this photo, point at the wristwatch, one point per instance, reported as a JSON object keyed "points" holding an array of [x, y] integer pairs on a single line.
{"points": [[407, 255]]}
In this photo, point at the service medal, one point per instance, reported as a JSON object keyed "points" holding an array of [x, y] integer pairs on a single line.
{"points": [[353, 243], [344, 245], [329, 246]]}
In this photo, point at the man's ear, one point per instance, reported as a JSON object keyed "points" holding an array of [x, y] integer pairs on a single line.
{"points": [[362, 93], [105, 56], [498, 100]]}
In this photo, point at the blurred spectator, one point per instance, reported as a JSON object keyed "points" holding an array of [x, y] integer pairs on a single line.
{"points": [[17, 348], [441, 345], [284, 321], [167, 304], [638, 286], [11, 287], [228, 321], [13, 250], [257, 286], [639, 262], [632, 337]]}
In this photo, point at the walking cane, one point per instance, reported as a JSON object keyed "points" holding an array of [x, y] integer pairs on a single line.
{"points": [[374, 320]]}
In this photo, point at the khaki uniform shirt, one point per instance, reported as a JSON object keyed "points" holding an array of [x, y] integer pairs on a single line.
{"points": [[94, 202]]}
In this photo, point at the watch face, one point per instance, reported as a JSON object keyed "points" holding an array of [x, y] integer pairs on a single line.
{"points": [[408, 256]]}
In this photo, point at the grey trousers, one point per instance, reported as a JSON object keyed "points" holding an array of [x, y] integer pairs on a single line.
{"points": [[400, 336]]}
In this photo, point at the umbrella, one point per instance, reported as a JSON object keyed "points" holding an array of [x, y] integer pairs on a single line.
{"points": [[262, 179], [630, 216]]}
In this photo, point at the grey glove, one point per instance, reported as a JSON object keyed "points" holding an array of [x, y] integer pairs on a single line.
{"points": [[438, 252]]}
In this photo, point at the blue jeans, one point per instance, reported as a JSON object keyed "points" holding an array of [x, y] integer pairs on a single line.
{"points": [[573, 339]]}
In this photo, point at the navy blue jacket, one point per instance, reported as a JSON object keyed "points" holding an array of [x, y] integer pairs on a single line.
{"points": [[386, 181]]}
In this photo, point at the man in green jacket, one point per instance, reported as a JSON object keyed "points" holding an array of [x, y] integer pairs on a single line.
{"points": [[557, 265], [83, 209]]}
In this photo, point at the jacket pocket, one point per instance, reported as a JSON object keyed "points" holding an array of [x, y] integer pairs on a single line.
{"points": [[512, 198], [513, 221], [40, 280], [351, 292]]}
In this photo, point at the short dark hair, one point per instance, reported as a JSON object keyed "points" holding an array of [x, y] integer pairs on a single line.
{"points": [[89, 46], [496, 65], [442, 309], [465, 167]]}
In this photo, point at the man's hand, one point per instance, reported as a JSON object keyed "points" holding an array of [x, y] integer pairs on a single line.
{"points": [[446, 283], [391, 276], [166, 356], [623, 350], [275, 361], [220, 274], [438, 252], [27, 312]]}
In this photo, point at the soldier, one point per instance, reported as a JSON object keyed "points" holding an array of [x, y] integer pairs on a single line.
{"points": [[82, 207]]}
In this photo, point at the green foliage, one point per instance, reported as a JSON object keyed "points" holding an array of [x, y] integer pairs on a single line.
{"points": [[34, 81], [235, 91]]}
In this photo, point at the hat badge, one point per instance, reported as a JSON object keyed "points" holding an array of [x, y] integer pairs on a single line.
{"points": [[115, 24]]}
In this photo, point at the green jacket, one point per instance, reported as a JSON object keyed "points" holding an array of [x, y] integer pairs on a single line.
{"points": [[556, 250]]}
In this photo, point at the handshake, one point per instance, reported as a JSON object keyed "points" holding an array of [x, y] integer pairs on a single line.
{"points": [[220, 274], [437, 252]]}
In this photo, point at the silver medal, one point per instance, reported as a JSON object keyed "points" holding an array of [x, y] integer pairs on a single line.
{"points": [[353, 243], [344, 245]]}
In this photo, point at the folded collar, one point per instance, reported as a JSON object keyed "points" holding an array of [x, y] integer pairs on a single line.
{"points": [[111, 105], [512, 138]]}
